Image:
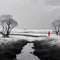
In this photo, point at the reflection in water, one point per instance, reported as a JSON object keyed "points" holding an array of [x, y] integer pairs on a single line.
{"points": [[26, 53]]}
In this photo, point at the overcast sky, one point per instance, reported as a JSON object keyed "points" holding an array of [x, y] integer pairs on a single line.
{"points": [[32, 14]]}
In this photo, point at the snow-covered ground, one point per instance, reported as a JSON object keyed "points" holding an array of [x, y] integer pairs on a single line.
{"points": [[31, 31], [30, 36]]}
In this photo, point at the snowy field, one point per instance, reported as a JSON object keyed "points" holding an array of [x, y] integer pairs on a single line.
{"points": [[30, 35], [17, 38]]}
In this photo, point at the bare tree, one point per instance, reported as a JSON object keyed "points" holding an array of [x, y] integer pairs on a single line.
{"points": [[56, 26], [8, 23]]}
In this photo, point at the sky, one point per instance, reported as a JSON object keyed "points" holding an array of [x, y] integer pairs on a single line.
{"points": [[32, 14]]}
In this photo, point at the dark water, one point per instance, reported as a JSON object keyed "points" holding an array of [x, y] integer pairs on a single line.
{"points": [[27, 53], [19, 50], [24, 50], [45, 50], [9, 50]]}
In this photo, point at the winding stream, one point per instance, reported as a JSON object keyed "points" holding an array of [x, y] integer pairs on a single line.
{"points": [[27, 53]]}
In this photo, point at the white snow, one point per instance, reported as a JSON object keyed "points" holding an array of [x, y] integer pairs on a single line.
{"points": [[25, 55], [31, 31], [29, 38]]}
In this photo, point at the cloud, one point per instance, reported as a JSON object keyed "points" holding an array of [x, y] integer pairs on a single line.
{"points": [[55, 13], [29, 14], [53, 2]]}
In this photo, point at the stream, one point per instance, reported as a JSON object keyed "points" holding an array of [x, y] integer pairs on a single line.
{"points": [[27, 53]]}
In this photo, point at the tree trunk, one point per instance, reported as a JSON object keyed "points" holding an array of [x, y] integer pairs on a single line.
{"points": [[5, 35], [57, 32]]}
